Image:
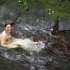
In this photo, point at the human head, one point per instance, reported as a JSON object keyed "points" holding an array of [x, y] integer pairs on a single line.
{"points": [[7, 27]]}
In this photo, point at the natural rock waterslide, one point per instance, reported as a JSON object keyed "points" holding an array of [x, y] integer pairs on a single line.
{"points": [[31, 24]]}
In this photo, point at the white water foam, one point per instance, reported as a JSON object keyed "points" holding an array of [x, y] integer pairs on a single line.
{"points": [[29, 44]]}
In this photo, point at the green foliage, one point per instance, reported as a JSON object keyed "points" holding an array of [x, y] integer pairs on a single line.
{"points": [[54, 8], [56, 18], [2, 1]]}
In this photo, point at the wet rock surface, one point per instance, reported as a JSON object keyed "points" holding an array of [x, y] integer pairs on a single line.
{"points": [[7, 64], [64, 25], [32, 17]]}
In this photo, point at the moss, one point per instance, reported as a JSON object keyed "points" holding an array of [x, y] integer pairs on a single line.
{"points": [[2, 2], [51, 7]]}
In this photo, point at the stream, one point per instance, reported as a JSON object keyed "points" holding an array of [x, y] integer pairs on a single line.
{"points": [[55, 55], [55, 50]]}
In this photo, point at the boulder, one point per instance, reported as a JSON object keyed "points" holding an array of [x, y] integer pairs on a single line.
{"points": [[64, 25], [8, 14]]}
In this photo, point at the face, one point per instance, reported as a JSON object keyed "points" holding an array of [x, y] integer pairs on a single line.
{"points": [[8, 28]]}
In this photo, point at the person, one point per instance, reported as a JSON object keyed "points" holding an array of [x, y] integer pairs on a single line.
{"points": [[8, 41]]}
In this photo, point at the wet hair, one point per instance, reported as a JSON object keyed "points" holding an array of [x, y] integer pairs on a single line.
{"points": [[7, 24]]}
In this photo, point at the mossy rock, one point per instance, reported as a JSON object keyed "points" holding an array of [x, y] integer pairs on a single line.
{"points": [[2, 2]]}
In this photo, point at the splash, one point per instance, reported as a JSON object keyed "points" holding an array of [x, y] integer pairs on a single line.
{"points": [[28, 44]]}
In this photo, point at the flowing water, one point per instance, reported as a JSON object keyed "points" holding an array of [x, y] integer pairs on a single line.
{"points": [[54, 53]]}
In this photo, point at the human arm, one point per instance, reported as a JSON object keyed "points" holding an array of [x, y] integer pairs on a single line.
{"points": [[3, 40]]}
